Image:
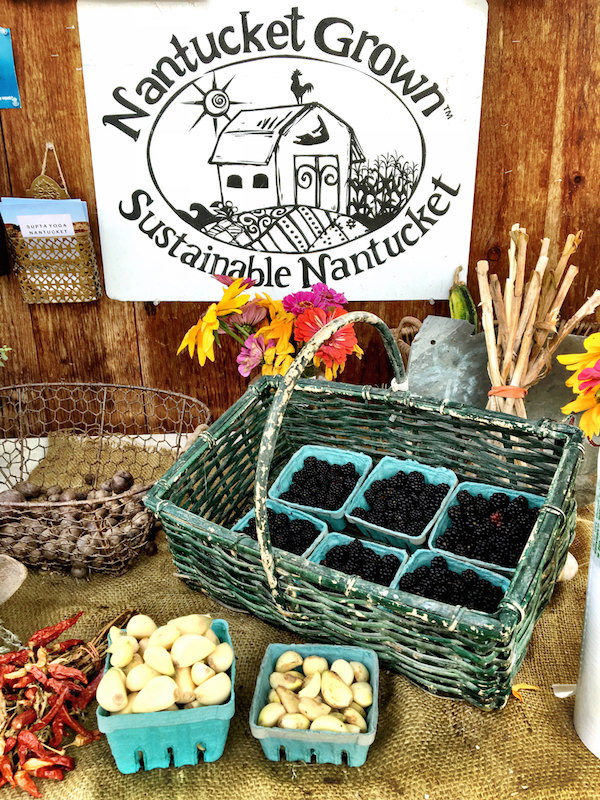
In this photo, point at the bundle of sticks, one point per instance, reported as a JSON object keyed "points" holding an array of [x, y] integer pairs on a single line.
{"points": [[522, 325]]}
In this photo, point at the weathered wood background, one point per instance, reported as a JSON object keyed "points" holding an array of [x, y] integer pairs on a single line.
{"points": [[538, 164]]}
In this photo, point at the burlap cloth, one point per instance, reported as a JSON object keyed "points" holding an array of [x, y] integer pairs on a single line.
{"points": [[426, 748]]}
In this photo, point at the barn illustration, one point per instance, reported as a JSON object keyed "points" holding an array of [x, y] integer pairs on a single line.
{"points": [[298, 155]]}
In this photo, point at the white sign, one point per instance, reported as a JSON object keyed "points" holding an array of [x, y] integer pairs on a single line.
{"points": [[321, 141], [35, 226]]}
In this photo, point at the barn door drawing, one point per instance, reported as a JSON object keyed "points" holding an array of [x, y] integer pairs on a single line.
{"points": [[317, 182]]}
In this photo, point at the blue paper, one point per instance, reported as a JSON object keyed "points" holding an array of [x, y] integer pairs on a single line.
{"points": [[9, 89]]}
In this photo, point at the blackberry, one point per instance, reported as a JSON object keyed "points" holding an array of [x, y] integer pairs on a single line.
{"points": [[493, 530], [439, 582], [293, 535], [356, 559], [321, 484], [404, 502]]}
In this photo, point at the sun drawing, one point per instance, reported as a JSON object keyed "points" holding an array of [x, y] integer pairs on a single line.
{"points": [[215, 102]]}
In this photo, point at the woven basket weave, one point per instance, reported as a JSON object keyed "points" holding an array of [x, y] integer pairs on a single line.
{"points": [[445, 649], [56, 269]]}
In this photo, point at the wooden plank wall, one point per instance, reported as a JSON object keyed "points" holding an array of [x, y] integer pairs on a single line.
{"points": [[538, 164]]}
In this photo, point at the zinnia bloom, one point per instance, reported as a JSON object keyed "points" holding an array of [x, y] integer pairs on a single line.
{"points": [[337, 348], [327, 298], [202, 334], [589, 379], [250, 314], [297, 302], [252, 354]]}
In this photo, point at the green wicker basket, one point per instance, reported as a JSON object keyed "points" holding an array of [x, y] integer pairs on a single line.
{"points": [[447, 650]]}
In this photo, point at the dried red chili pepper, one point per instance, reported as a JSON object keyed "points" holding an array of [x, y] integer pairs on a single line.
{"points": [[16, 658], [65, 717], [46, 635], [6, 770], [86, 695], [55, 701], [25, 781], [9, 743], [28, 741], [54, 773], [22, 719], [61, 672], [60, 647], [58, 731]]}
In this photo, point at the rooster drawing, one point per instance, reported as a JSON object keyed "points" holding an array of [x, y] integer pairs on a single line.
{"points": [[298, 88]]}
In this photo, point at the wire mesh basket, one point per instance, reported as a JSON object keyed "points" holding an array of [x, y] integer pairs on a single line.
{"points": [[76, 461]]}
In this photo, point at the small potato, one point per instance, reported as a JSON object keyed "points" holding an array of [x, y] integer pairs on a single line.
{"points": [[353, 717]]}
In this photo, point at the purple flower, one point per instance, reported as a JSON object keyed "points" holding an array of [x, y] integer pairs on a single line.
{"points": [[298, 302], [228, 280], [327, 298], [252, 354], [250, 314]]}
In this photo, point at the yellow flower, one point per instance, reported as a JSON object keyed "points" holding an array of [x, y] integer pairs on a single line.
{"points": [[202, 334], [590, 419], [576, 362], [278, 358]]}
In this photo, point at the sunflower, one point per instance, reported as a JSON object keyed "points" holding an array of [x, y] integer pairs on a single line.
{"points": [[585, 382], [202, 334]]}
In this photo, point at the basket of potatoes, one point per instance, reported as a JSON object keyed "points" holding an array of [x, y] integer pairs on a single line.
{"points": [[316, 703], [76, 461], [167, 696]]}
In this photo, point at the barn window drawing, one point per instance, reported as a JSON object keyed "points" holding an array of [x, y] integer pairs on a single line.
{"points": [[261, 181], [304, 154]]}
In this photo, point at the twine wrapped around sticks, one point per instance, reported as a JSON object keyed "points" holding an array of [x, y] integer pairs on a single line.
{"points": [[522, 324]]}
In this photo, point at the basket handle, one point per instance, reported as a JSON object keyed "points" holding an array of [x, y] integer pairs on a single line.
{"points": [[275, 418]]}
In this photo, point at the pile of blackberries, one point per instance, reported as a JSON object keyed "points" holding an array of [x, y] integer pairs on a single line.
{"points": [[321, 484], [466, 588], [356, 559], [403, 502], [493, 530], [293, 535]]}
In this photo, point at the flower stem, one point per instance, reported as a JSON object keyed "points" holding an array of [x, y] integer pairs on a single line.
{"points": [[229, 332]]}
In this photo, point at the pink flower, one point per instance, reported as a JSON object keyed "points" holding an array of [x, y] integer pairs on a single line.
{"points": [[298, 302], [252, 354], [228, 280], [589, 378], [327, 298], [250, 314]]}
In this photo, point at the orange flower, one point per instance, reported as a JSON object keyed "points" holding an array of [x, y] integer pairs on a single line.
{"points": [[337, 348]]}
